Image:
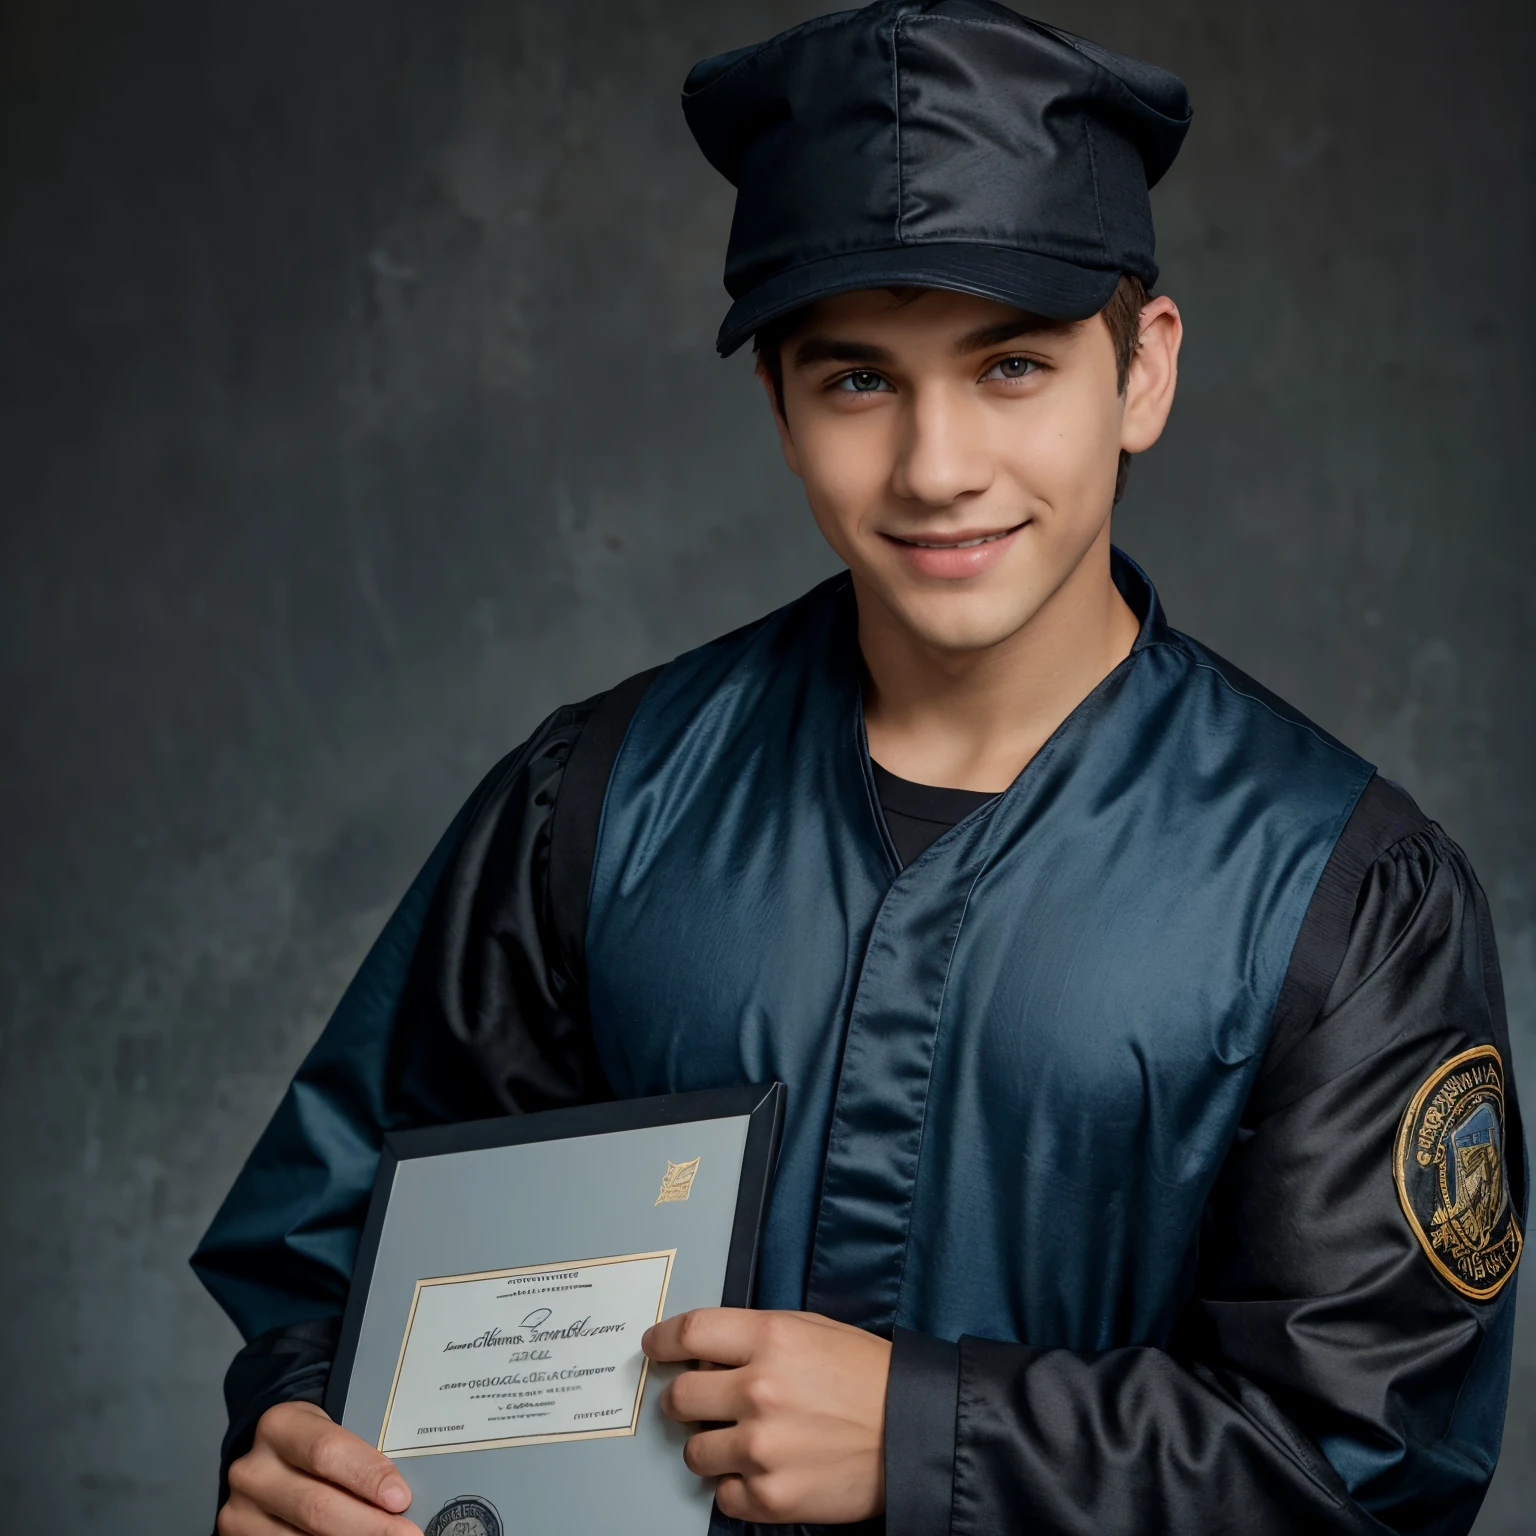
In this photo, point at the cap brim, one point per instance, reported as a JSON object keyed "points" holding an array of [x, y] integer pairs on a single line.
{"points": [[1044, 285]]}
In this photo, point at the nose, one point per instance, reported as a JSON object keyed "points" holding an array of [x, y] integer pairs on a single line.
{"points": [[942, 455]]}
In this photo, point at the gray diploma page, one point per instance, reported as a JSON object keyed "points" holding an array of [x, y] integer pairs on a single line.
{"points": [[507, 1271]]}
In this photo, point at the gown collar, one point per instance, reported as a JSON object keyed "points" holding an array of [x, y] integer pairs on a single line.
{"points": [[1135, 586]]}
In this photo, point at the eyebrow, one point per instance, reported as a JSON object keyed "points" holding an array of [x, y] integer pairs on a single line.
{"points": [[832, 349], [836, 349], [1006, 330]]}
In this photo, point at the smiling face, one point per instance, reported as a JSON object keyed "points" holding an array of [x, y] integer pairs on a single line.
{"points": [[960, 455]]}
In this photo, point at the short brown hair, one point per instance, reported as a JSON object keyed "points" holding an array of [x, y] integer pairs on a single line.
{"points": [[1122, 316]]}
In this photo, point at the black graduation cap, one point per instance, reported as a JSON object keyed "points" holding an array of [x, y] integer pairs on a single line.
{"points": [[939, 143]]}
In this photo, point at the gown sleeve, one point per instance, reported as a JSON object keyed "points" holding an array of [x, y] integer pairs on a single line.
{"points": [[1324, 1377], [466, 1006]]}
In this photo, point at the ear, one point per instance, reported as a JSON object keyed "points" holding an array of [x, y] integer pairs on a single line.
{"points": [[786, 442], [1153, 376]]}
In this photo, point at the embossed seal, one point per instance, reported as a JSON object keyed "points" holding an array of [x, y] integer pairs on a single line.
{"points": [[466, 1514], [1452, 1177]]}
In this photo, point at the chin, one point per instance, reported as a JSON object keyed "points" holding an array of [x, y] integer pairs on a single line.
{"points": [[963, 621]]}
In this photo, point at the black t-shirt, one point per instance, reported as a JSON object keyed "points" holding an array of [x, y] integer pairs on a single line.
{"points": [[918, 814]]}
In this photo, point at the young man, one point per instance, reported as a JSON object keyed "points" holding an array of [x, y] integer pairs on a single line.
{"points": [[1151, 1163]]}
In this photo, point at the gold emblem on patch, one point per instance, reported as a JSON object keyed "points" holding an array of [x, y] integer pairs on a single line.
{"points": [[1451, 1174], [678, 1181]]}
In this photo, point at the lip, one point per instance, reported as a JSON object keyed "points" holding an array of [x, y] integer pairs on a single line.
{"points": [[952, 556]]}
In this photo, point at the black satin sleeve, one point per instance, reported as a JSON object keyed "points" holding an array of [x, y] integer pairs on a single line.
{"points": [[1324, 1377], [468, 1006], [496, 974]]}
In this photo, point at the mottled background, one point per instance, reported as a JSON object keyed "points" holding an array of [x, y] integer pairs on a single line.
{"points": [[359, 406]]}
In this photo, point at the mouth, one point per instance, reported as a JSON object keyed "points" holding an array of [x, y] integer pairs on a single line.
{"points": [[960, 541], [951, 556]]}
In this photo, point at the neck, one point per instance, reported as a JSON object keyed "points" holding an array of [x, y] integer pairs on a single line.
{"points": [[973, 719]]}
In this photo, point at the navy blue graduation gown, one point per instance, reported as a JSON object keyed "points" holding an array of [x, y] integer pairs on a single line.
{"points": [[1094, 1108]]}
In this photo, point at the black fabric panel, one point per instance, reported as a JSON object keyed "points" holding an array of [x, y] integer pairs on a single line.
{"points": [[496, 984], [288, 1365], [1382, 816], [920, 1403], [578, 813]]}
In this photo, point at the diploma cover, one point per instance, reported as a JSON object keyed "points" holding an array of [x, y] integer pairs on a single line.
{"points": [[505, 1275]]}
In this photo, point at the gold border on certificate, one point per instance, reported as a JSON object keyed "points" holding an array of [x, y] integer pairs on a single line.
{"points": [[669, 1254]]}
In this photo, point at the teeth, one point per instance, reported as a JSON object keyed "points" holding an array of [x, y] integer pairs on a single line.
{"points": [[966, 544]]}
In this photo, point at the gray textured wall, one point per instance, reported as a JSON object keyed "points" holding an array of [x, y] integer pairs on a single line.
{"points": [[359, 406]]}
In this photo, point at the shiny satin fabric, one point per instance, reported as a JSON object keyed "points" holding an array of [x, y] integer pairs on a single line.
{"points": [[1317, 1327], [952, 143], [1314, 1320], [1017, 1065]]}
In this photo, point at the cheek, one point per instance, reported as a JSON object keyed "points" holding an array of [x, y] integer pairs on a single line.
{"points": [[845, 467], [1062, 449]]}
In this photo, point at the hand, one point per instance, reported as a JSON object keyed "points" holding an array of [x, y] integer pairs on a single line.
{"points": [[305, 1472], [803, 1408]]}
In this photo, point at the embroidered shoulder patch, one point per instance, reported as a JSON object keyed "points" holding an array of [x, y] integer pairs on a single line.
{"points": [[1451, 1174]]}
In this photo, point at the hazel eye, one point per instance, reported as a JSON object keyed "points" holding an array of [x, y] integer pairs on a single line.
{"points": [[861, 382], [1012, 368]]}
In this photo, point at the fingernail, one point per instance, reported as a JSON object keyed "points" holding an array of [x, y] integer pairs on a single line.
{"points": [[645, 1339], [393, 1494]]}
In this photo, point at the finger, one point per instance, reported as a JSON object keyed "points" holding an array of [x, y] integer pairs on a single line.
{"points": [[306, 1503], [240, 1516], [732, 1497], [699, 1396], [723, 1452], [321, 1509], [314, 1443], [758, 1500], [725, 1335]]}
